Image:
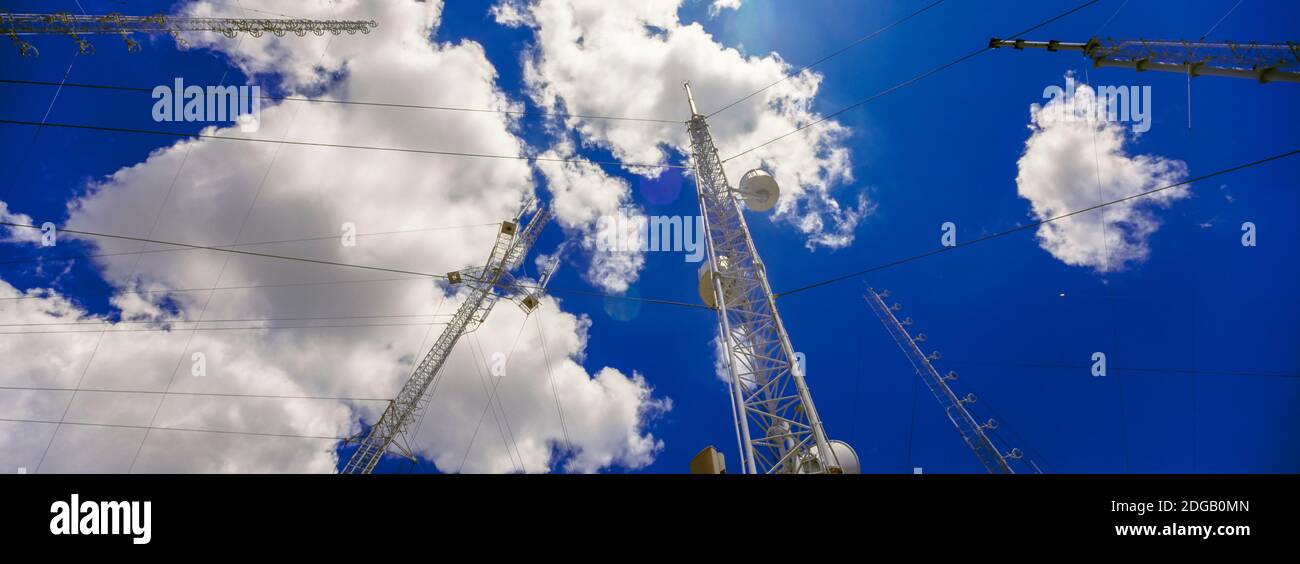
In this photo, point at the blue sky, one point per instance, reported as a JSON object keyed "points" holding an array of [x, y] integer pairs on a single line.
{"points": [[1018, 324]]}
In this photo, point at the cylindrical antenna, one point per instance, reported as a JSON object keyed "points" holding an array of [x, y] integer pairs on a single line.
{"points": [[690, 98]]}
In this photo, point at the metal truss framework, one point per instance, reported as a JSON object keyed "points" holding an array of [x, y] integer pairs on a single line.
{"points": [[973, 433], [62, 23], [774, 413], [485, 286], [1264, 62]]}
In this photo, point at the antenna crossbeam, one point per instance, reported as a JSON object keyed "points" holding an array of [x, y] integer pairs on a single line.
{"points": [[1264, 62], [15, 26]]}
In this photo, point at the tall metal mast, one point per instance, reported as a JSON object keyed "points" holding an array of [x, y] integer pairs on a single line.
{"points": [[75, 26], [1264, 62], [778, 426], [485, 284], [974, 433]]}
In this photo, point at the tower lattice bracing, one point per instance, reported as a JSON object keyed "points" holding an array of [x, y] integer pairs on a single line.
{"points": [[778, 426], [14, 26], [484, 286], [971, 431]]}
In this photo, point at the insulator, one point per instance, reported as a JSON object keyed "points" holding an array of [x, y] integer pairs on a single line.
{"points": [[951, 375], [1015, 454], [970, 398], [906, 322], [991, 425], [920, 338], [884, 294], [24, 48], [934, 356], [896, 307]]}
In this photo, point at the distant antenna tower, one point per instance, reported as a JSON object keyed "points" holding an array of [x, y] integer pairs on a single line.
{"points": [[486, 284], [1264, 62], [777, 426], [15, 26], [973, 432]]}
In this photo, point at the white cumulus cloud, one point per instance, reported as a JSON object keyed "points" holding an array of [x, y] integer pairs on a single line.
{"points": [[629, 59], [1059, 172], [719, 5], [228, 192], [16, 234], [584, 198]]}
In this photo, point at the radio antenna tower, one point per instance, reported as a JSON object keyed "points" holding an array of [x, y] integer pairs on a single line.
{"points": [[973, 432], [15, 26], [485, 285], [1264, 62], [777, 425]]}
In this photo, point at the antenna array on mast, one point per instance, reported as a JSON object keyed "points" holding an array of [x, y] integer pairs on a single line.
{"points": [[777, 425], [14, 26], [972, 431], [1264, 62]]}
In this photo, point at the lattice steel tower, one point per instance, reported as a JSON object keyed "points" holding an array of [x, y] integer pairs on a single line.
{"points": [[14, 26], [777, 425], [974, 433], [485, 284]]}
